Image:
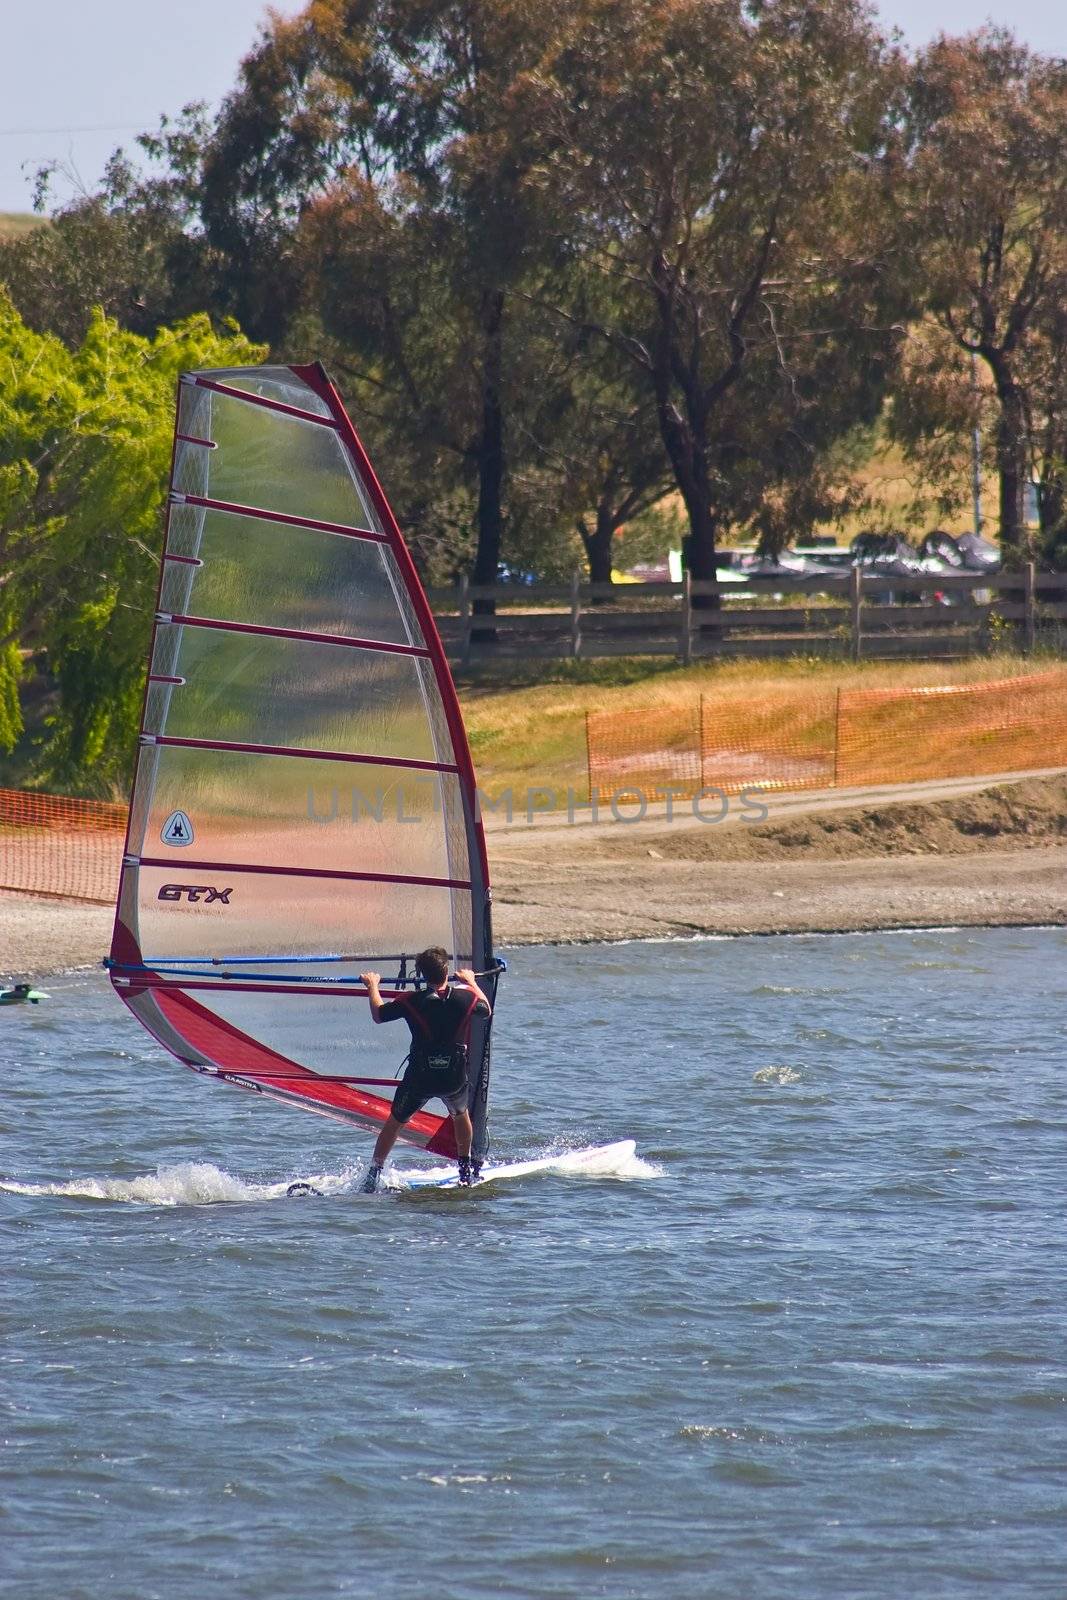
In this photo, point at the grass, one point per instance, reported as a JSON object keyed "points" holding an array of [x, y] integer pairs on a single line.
{"points": [[15, 223], [526, 733]]}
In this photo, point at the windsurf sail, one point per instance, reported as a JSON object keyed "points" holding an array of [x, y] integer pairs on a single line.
{"points": [[304, 802]]}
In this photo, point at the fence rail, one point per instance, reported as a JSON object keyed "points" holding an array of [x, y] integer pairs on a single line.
{"points": [[851, 615]]}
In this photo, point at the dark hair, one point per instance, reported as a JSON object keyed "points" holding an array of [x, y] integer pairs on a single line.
{"points": [[432, 964]]}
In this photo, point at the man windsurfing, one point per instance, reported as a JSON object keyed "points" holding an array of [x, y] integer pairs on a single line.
{"points": [[439, 1017]]}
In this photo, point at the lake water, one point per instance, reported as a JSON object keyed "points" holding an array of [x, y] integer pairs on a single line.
{"points": [[811, 1345]]}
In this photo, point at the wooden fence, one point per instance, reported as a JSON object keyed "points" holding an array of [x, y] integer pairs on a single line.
{"points": [[849, 615]]}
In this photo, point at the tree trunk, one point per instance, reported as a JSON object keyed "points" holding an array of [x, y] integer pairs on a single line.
{"points": [[598, 543], [1012, 457], [1052, 510], [685, 441], [699, 552], [490, 459]]}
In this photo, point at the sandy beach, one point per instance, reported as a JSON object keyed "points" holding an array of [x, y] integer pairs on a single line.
{"points": [[967, 853]]}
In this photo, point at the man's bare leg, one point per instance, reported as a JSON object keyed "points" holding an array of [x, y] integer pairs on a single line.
{"points": [[464, 1132], [382, 1146]]}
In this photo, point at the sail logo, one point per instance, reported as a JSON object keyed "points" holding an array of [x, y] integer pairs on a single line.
{"points": [[195, 893], [177, 830]]}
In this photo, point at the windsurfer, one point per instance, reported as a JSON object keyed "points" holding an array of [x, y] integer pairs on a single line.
{"points": [[439, 1017]]}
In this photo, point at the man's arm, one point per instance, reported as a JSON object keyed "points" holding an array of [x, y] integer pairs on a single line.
{"points": [[372, 981], [466, 976]]}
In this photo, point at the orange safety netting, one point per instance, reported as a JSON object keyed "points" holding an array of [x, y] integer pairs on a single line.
{"points": [[952, 730], [778, 741], [642, 753], [833, 738], [51, 845]]}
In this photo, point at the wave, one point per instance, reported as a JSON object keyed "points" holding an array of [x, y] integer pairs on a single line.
{"points": [[188, 1184], [202, 1184]]}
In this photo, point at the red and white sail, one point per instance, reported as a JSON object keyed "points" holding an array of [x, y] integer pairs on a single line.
{"points": [[304, 802]]}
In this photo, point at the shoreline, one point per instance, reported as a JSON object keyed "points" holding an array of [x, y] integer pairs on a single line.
{"points": [[994, 856], [1019, 889]]}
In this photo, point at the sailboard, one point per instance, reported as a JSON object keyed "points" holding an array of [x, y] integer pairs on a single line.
{"points": [[588, 1161], [304, 802]]}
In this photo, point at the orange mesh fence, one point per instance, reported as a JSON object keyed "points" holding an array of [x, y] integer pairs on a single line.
{"points": [[827, 738], [780, 741], [54, 846], [643, 752], [952, 730]]}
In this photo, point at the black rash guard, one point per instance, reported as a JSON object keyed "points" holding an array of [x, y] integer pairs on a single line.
{"points": [[438, 1023]]}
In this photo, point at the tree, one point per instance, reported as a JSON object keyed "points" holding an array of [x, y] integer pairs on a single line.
{"points": [[984, 211], [83, 469], [721, 165], [375, 138], [126, 250]]}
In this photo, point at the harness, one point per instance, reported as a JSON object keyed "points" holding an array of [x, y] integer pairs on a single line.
{"points": [[443, 1063]]}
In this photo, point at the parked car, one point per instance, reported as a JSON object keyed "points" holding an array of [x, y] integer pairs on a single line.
{"points": [[967, 552], [888, 553]]}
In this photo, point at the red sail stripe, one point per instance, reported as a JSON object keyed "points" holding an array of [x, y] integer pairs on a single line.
{"points": [[299, 872], [289, 518], [294, 633], [291, 750], [261, 400]]}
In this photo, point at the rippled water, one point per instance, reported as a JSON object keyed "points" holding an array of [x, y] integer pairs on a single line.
{"points": [[811, 1346]]}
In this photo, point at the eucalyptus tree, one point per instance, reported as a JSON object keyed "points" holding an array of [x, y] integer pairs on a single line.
{"points": [[721, 164], [983, 208], [368, 150]]}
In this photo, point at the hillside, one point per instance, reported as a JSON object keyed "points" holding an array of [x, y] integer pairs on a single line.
{"points": [[14, 223]]}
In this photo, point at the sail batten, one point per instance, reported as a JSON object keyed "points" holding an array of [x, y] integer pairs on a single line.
{"points": [[343, 530], [304, 784]]}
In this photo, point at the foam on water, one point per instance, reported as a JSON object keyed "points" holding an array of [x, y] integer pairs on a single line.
{"points": [[187, 1184], [202, 1183]]}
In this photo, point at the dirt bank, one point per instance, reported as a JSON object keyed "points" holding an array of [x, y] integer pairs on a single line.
{"points": [[992, 857], [997, 856]]}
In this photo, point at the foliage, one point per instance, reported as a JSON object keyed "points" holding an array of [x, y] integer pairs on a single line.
{"points": [[982, 190], [720, 167], [86, 438]]}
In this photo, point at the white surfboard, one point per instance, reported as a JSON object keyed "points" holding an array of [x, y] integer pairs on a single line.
{"points": [[602, 1157]]}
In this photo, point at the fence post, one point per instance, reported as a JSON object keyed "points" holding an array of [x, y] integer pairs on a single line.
{"points": [[837, 738], [576, 613], [686, 640], [1030, 611], [855, 595], [700, 735], [465, 618]]}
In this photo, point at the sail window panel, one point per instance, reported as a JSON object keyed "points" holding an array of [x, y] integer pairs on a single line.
{"points": [[272, 383], [260, 689], [273, 574], [191, 463], [268, 914], [194, 411], [267, 810], [329, 1036], [185, 527], [276, 462], [434, 711]]}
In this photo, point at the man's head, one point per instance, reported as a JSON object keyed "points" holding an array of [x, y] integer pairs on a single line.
{"points": [[432, 965]]}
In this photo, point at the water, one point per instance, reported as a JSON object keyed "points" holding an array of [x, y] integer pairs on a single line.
{"points": [[812, 1345]]}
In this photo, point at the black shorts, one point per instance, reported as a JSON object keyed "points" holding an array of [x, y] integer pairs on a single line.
{"points": [[416, 1088]]}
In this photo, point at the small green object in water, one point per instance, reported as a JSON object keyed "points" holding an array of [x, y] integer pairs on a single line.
{"points": [[20, 992]]}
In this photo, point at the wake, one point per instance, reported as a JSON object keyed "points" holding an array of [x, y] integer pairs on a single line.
{"points": [[204, 1184]]}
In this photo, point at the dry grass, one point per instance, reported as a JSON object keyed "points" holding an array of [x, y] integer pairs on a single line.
{"points": [[15, 223], [534, 734]]}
